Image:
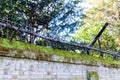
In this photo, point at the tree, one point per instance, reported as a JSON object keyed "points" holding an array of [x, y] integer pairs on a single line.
{"points": [[96, 16], [87, 33], [44, 17], [32, 15], [67, 20]]}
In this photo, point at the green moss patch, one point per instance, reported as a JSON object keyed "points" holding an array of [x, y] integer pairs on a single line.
{"points": [[92, 75]]}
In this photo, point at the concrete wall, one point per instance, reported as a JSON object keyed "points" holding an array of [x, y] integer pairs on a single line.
{"points": [[23, 69]]}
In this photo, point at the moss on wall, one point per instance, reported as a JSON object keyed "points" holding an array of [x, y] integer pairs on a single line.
{"points": [[30, 51], [92, 75]]}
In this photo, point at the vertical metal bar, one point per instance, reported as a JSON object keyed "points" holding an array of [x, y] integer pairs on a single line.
{"points": [[100, 47]]}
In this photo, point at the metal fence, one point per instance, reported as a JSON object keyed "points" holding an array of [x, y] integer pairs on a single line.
{"points": [[86, 49]]}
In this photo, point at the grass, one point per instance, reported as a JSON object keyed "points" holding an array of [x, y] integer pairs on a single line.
{"points": [[6, 45]]}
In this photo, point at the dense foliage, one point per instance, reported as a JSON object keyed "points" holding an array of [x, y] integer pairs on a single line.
{"points": [[44, 17], [58, 19], [32, 15], [96, 16], [67, 20]]}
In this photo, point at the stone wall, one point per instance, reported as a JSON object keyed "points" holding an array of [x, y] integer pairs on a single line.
{"points": [[25, 69]]}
